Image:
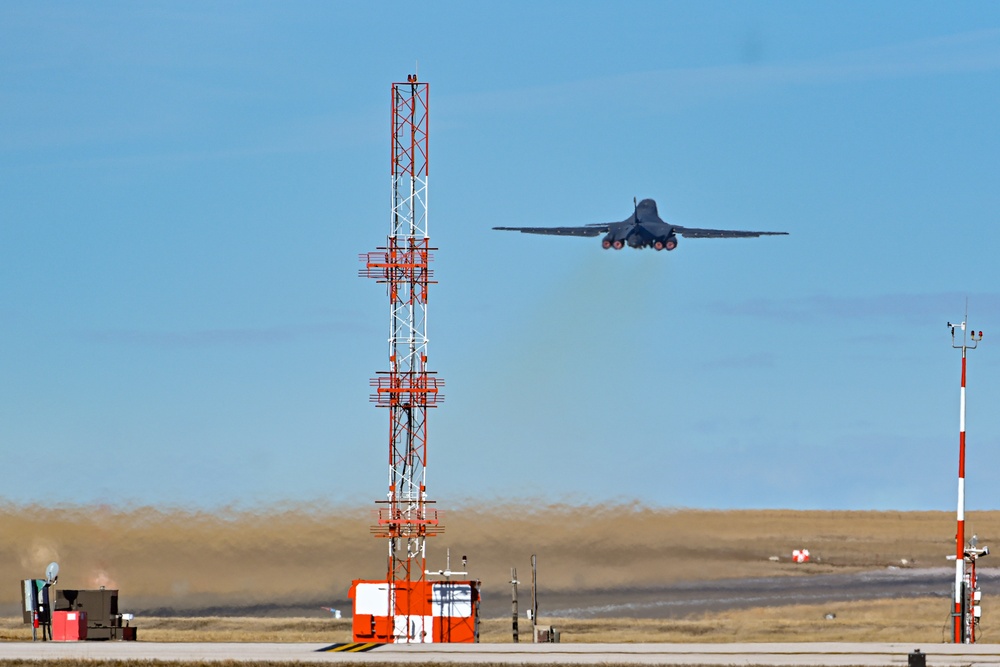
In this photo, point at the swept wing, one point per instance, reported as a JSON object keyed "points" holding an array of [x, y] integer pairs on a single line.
{"points": [[694, 233], [590, 230]]}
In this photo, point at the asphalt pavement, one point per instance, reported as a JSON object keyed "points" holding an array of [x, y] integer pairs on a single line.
{"points": [[776, 655]]}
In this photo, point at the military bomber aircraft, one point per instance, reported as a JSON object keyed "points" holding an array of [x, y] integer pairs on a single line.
{"points": [[642, 229]]}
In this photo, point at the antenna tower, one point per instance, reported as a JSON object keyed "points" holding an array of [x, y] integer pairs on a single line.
{"points": [[406, 518], [965, 617]]}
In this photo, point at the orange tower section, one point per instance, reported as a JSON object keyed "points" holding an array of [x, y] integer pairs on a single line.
{"points": [[406, 607]]}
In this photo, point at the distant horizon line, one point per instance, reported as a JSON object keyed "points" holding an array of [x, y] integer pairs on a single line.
{"points": [[529, 506]]}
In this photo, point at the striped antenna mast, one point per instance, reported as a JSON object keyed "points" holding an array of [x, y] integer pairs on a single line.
{"points": [[962, 616]]}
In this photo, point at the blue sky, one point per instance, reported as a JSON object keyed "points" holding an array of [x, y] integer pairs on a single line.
{"points": [[185, 189]]}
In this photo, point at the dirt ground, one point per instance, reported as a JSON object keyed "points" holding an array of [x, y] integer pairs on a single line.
{"points": [[293, 561], [920, 620]]}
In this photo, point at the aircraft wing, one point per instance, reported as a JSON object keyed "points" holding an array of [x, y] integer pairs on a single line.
{"points": [[692, 233], [591, 230]]}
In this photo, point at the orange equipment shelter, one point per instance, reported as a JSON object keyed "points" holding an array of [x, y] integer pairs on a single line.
{"points": [[423, 611]]}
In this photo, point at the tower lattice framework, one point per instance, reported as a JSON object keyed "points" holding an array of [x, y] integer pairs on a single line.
{"points": [[406, 518]]}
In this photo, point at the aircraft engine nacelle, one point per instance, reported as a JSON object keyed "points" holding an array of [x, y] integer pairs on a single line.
{"points": [[611, 241], [668, 243]]}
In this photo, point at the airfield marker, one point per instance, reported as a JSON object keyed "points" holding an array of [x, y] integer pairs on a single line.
{"points": [[964, 621]]}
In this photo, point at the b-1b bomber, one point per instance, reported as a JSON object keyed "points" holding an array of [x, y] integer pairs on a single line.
{"points": [[642, 229]]}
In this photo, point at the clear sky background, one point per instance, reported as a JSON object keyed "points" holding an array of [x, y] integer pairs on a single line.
{"points": [[185, 189]]}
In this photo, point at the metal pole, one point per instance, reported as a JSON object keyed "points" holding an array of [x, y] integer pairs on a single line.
{"points": [[961, 610], [534, 599], [960, 593], [513, 601], [972, 602]]}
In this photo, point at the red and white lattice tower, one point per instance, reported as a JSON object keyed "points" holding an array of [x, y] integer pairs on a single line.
{"points": [[406, 518]]}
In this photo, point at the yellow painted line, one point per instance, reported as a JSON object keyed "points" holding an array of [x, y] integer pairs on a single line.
{"points": [[357, 648], [353, 647]]}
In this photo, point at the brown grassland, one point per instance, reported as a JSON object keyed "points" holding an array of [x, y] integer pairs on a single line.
{"points": [[171, 565], [920, 620]]}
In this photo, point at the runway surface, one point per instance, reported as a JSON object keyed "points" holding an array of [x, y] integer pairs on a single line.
{"points": [[777, 655]]}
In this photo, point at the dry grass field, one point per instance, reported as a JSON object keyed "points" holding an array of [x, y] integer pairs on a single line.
{"points": [[280, 562], [921, 620]]}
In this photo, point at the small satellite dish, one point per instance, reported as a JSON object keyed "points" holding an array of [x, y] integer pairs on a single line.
{"points": [[52, 573]]}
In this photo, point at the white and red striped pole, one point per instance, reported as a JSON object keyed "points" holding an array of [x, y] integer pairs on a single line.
{"points": [[960, 535], [961, 606]]}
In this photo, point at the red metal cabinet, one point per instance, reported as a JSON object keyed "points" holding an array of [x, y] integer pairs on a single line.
{"points": [[69, 626]]}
